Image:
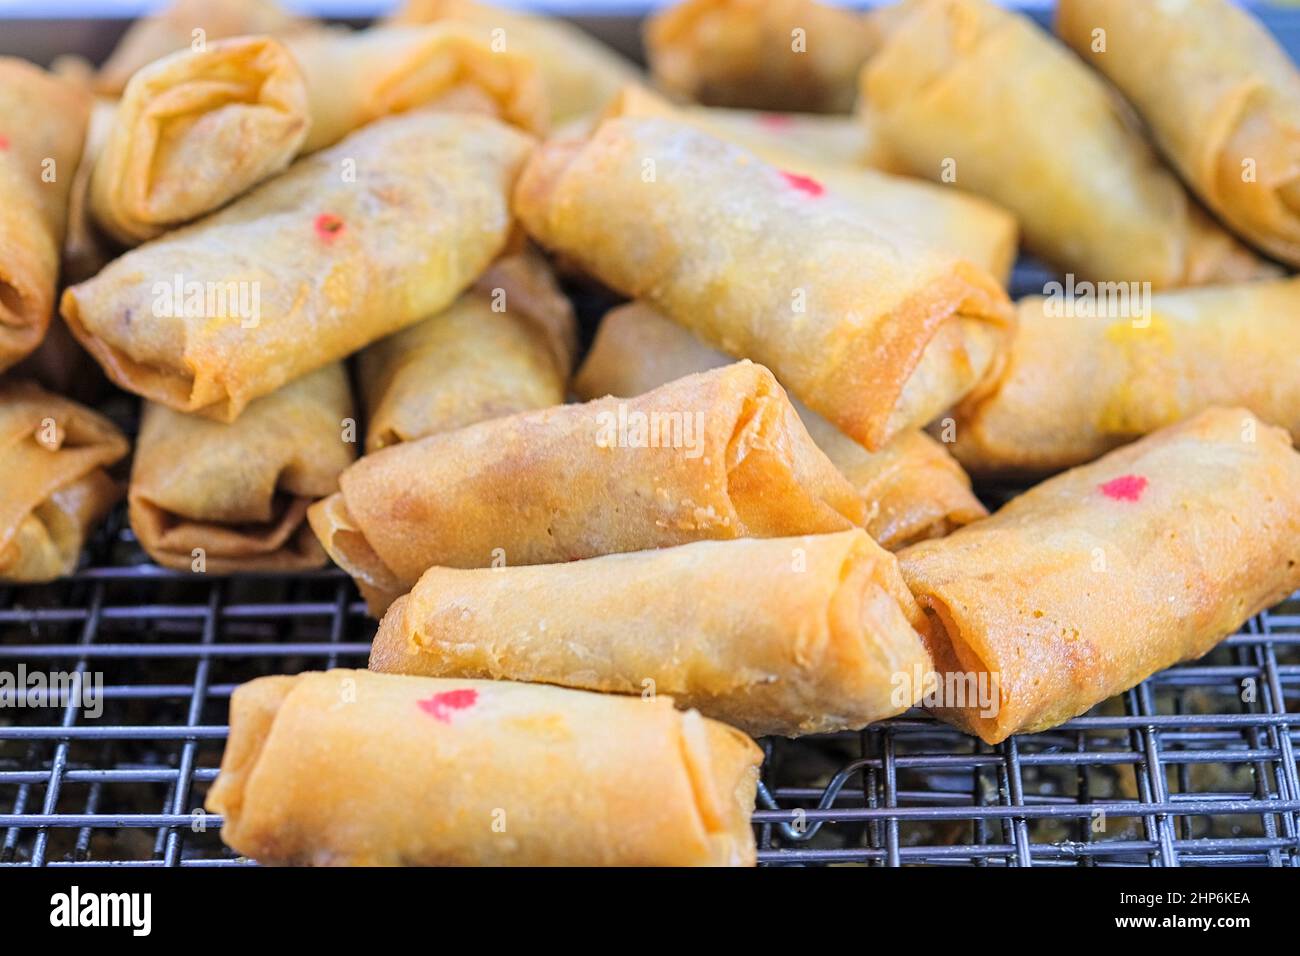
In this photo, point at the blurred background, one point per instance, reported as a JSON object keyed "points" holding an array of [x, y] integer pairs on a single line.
{"points": [[39, 30]]}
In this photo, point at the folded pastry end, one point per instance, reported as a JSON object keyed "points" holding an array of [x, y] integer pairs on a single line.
{"points": [[195, 129], [55, 486], [346, 544]]}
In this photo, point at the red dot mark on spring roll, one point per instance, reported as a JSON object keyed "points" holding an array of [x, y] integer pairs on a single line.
{"points": [[776, 122], [440, 706], [1125, 488], [805, 184], [4, 142], [328, 226]]}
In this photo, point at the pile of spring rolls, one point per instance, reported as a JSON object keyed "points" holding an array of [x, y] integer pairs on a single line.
{"points": [[332, 269]]}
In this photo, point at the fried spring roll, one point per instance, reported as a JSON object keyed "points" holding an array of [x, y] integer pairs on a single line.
{"points": [[762, 54], [871, 328], [940, 216], [1090, 582], [1223, 345], [507, 346], [187, 24], [1221, 97], [222, 498], [42, 125], [793, 635], [348, 246], [347, 767], [712, 456], [580, 73], [966, 92], [54, 486], [195, 129], [357, 76], [912, 487]]}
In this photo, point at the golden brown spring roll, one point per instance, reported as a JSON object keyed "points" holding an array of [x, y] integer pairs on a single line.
{"points": [[772, 635], [188, 25], [871, 328], [350, 245], [1088, 583], [195, 129], [351, 768], [357, 76], [965, 92], [940, 216], [207, 496], [712, 456], [506, 346], [761, 54], [1221, 97], [42, 125], [912, 487], [1138, 369], [54, 487], [580, 73]]}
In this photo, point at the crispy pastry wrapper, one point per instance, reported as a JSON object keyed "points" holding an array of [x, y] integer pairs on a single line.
{"points": [[1219, 94], [506, 346], [796, 55], [331, 263], [712, 456], [871, 328], [580, 73], [913, 488], [186, 23], [238, 494], [1090, 582], [42, 125], [54, 485], [964, 88], [1144, 369], [357, 76], [940, 216], [195, 129], [772, 635], [348, 767]]}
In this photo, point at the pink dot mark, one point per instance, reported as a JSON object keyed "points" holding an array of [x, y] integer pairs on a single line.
{"points": [[440, 706], [776, 122], [1125, 488], [4, 143], [804, 184], [328, 226]]}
